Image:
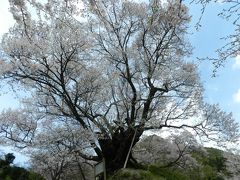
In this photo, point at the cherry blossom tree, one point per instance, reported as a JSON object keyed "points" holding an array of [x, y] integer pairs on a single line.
{"points": [[108, 70], [165, 152], [55, 155]]}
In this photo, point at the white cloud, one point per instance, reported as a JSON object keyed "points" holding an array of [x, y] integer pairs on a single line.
{"points": [[236, 65], [236, 96], [6, 19], [220, 1]]}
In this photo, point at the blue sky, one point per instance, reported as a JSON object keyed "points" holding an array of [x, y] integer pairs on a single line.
{"points": [[223, 89], [6, 99]]}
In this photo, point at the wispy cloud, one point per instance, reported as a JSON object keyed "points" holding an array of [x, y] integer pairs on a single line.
{"points": [[213, 88], [236, 64], [6, 19], [236, 96]]}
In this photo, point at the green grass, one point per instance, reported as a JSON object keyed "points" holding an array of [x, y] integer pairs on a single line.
{"points": [[135, 174]]}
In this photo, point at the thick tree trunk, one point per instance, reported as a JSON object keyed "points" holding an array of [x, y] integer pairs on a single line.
{"points": [[115, 150]]}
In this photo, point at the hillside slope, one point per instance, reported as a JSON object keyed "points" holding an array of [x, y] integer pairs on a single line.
{"points": [[176, 159]]}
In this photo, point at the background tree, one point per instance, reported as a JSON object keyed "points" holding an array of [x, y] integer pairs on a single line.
{"points": [[9, 158], [111, 70], [166, 153], [10, 171], [56, 152]]}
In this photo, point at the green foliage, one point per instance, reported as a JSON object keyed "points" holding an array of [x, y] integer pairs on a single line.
{"points": [[34, 176], [168, 173], [211, 166], [216, 160], [8, 172], [8, 178]]}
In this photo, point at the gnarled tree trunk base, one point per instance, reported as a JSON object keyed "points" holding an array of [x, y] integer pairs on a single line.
{"points": [[115, 150]]}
